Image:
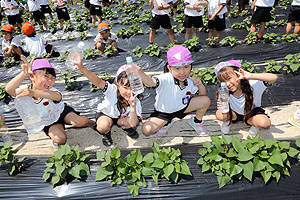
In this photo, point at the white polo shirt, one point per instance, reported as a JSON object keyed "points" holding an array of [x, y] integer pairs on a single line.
{"points": [[7, 4], [109, 105], [157, 3], [265, 3], [111, 37], [14, 41], [96, 2], [59, 2], [214, 5], [191, 12], [237, 104], [33, 5], [296, 3], [35, 45], [44, 2], [169, 96]]}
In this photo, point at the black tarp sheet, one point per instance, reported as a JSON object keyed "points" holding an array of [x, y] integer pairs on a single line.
{"points": [[30, 185]]}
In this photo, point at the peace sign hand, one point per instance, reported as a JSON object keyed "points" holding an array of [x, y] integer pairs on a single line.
{"points": [[132, 99], [196, 80], [27, 67], [242, 74]]}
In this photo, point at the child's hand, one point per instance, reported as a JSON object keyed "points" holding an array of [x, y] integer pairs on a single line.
{"points": [[195, 79], [213, 17], [25, 92], [136, 67], [243, 75], [76, 56], [132, 99], [26, 67]]}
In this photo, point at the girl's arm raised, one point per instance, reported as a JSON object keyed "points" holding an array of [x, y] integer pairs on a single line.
{"points": [[267, 77], [90, 75], [150, 82], [53, 95], [12, 85]]}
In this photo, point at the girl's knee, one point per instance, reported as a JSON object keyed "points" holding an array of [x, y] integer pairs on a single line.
{"points": [[206, 101], [147, 129], [59, 139], [262, 122], [103, 126]]}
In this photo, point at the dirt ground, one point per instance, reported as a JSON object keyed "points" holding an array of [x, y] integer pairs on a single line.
{"points": [[180, 133]]}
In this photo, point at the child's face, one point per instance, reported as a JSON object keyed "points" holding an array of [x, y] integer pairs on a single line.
{"points": [[7, 36], [105, 34], [124, 89], [232, 84], [180, 73], [42, 81]]}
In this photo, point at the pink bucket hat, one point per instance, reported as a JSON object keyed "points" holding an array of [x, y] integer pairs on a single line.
{"points": [[233, 63], [41, 63], [120, 70], [179, 56]]}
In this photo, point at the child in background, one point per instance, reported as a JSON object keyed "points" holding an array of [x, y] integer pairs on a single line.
{"points": [[53, 111], [295, 119], [45, 8], [193, 17], [241, 6], [11, 10], [245, 92], [105, 38], [174, 6], [10, 45], [173, 94], [119, 107], [216, 10], [261, 11], [294, 18], [36, 13], [62, 11], [160, 17], [35, 44], [96, 10]]}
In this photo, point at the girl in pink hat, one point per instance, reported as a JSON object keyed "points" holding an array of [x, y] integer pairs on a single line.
{"points": [[174, 92], [120, 106], [48, 100], [245, 92]]}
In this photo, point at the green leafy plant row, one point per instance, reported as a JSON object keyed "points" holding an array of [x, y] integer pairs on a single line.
{"points": [[229, 158], [134, 168], [7, 155]]}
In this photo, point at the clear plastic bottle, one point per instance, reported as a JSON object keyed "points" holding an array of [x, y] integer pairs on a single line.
{"points": [[29, 114], [134, 77], [74, 56], [224, 98]]}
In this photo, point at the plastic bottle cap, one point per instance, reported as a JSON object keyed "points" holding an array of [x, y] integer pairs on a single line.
{"points": [[129, 59], [80, 44], [223, 84]]}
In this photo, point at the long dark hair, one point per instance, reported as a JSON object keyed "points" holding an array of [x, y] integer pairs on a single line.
{"points": [[47, 71], [166, 69], [122, 103], [223, 75]]}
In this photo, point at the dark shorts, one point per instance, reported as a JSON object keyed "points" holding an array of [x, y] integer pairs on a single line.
{"points": [[243, 2], [294, 15], [255, 111], [46, 9], [261, 14], [160, 20], [218, 24], [38, 15], [61, 120], [99, 114], [193, 21], [62, 13], [87, 4], [14, 19], [95, 10]]}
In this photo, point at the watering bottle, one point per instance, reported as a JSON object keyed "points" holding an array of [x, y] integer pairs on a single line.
{"points": [[134, 77], [75, 55], [29, 114], [224, 98]]}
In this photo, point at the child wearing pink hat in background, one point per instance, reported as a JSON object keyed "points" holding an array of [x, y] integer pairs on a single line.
{"points": [[48, 100], [173, 94], [245, 92]]}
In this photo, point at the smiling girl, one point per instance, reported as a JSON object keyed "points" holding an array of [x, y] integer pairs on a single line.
{"points": [[48, 100], [245, 93], [174, 92]]}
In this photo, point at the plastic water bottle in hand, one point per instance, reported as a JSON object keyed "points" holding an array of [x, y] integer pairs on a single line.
{"points": [[224, 98], [29, 114], [75, 55], [134, 77]]}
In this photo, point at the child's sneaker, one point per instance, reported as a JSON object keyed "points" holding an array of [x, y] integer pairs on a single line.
{"points": [[54, 144], [225, 128], [131, 132], [253, 130], [199, 128], [293, 121], [106, 139], [163, 130]]}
